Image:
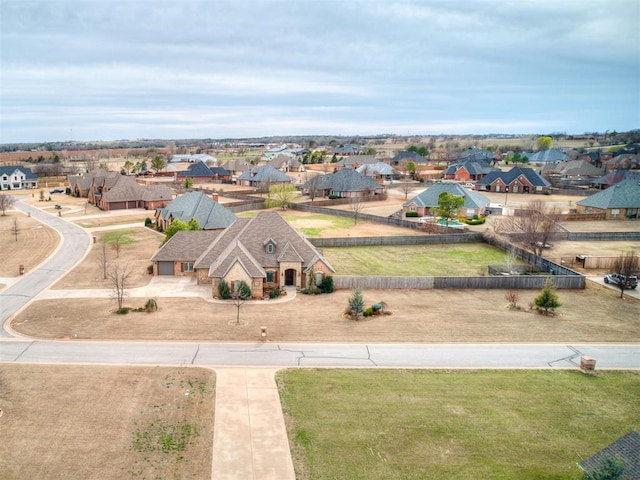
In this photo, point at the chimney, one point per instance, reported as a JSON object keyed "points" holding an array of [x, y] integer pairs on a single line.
{"points": [[214, 196]]}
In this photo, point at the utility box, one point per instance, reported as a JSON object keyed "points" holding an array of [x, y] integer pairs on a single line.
{"points": [[588, 364], [263, 334], [21, 269]]}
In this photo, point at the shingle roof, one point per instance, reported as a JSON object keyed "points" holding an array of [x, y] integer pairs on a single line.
{"points": [[380, 168], [409, 156], [572, 167], [509, 177], [245, 240], [280, 160], [357, 159], [265, 173], [550, 155], [429, 198], [199, 169], [627, 449], [624, 194], [477, 154], [347, 180], [237, 165], [185, 246], [8, 170], [209, 213], [473, 166]]}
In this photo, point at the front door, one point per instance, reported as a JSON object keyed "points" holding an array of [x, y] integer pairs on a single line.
{"points": [[289, 276]]}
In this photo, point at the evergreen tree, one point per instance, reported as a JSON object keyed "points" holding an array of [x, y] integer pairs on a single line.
{"points": [[356, 303], [224, 290], [547, 299]]}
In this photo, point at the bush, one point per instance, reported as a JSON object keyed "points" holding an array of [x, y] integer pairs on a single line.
{"points": [[274, 293], [334, 197], [151, 305], [123, 310], [326, 286], [224, 290], [411, 214], [150, 269], [367, 312], [244, 290], [475, 220], [148, 222]]}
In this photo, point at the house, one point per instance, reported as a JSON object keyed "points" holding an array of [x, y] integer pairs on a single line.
{"points": [[426, 202], [621, 200], [380, 170], [468, 169], [626, 449], [347, 183], [286, 164], [545, 156], [127, 194], [237, 166], [264, 251], [348, 149], [193, 158], [82, 185], [354, 161], [571, 172], [199, 206], [17, 178], [405, 157], [477, 154], [262, 176], [612, 178], [516, 180], [201, 173]]}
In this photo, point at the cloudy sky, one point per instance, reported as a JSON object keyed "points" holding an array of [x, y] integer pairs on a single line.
{"points": [[104, 70]]}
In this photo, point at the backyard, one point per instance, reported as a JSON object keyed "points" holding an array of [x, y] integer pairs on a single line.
{"points": [[417, 424]]}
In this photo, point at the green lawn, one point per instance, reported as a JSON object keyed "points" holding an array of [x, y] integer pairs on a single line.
{"points": [[462, 259], [423, 424]]}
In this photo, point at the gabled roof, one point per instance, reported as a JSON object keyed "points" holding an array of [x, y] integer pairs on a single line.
{"points": [[281, 160], [9, 169], [185, 246], [473, 166], [624, 194], [512, 175], [380, 168], [612, 178], [199, 169], [429, 198], [265, 173], [245, 240], [627, 449], [409, 156], [209, 213], [237, 165], [347, 180], [348, 149], [357, 159], [573, 168], [550, 155], [477, 154]]}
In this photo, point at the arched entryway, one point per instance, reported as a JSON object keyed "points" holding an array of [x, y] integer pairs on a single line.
{"points": [[289, 277]]}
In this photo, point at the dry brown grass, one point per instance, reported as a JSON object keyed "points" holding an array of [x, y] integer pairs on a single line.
{"points": [[592, 315], [35, 243], [86, 424]]}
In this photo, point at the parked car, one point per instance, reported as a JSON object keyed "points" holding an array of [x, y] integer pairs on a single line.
{"points": [[56, 190], [546, 245], [620, 279]]}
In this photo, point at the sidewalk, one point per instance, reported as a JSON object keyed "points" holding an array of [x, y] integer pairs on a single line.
{"points": [[249, 438]]}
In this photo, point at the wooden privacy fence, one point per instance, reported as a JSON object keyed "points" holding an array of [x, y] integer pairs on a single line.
{"points": [[515, 282], [396, 240], [603, 236]]}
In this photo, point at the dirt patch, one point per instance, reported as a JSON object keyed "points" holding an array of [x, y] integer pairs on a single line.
{"points": [[34, 244], [114, 422], [592, 315]]}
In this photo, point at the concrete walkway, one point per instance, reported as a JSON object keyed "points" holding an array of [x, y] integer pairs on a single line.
{"points": [[249, 438]]}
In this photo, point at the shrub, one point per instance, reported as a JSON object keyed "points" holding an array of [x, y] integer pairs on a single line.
{"points": [[148, 222], [151, 305], [244, 290], [224, 290], [367, 312], [475, 220], [334, 197], [274, 293], [123, 310], [150, 269], [411, 214], [326, 286]]}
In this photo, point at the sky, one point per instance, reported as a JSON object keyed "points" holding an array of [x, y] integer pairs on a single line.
{"points": [[88, 70]]}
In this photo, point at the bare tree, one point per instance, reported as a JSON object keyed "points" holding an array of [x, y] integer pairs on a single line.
{"points": [[313, 184], [15, 229], [103, 261], [6, 202], [356, 205], [406, 187], [626, 266], [533, 226], [241, 294], [119, 274], [280, 195]]}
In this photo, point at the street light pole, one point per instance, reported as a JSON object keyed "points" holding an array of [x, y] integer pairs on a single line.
{"points": [[506, 194]]}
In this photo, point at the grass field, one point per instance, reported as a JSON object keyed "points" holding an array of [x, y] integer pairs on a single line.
{"points": [[416, 424], [107, 422], [415, 260]]}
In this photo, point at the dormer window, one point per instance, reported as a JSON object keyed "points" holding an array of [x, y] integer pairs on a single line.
{"points": [[270, 245]]}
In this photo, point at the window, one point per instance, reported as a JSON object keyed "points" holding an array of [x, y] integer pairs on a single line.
{"points": [[318, 278], [270, 248], [187, 267], [271, 276]]}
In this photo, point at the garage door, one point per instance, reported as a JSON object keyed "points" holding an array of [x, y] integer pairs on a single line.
{"points": [[165, 268]]}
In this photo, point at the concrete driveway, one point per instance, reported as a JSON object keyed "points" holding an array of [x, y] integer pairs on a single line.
{"points": [[635, 293]]}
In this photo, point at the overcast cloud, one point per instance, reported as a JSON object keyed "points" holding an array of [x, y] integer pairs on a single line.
{"points": [[104, 70]]}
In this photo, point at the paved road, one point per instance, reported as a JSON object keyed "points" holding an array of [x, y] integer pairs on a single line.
{"points": [[320, 355], [75, 244]]}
